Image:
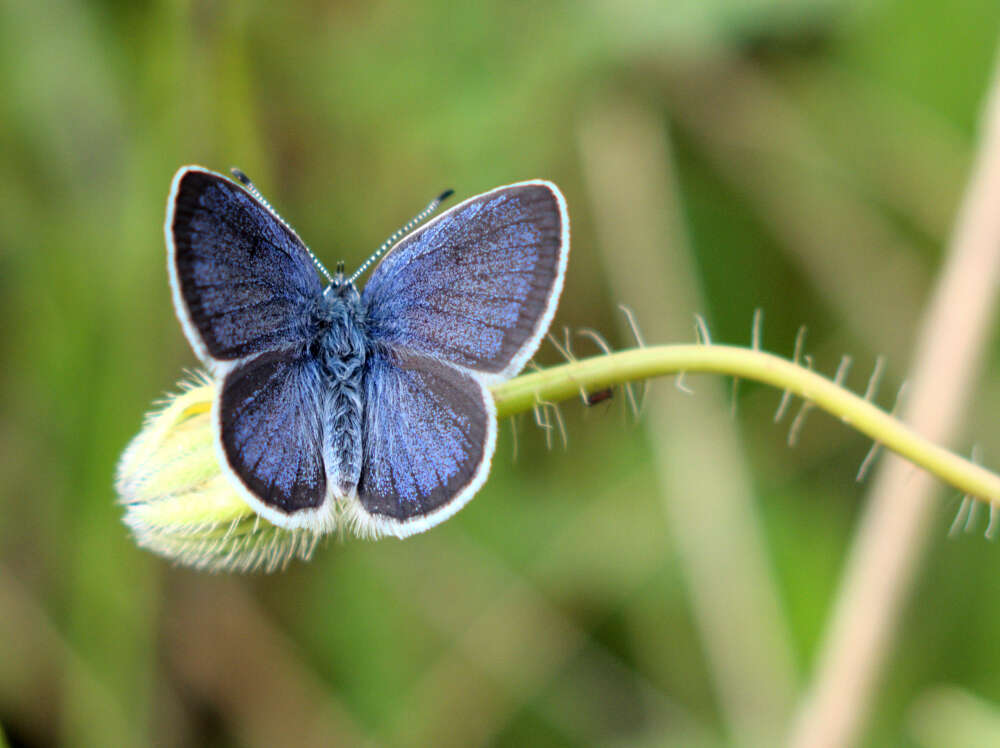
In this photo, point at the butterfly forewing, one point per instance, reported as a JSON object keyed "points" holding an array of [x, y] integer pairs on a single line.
{"points": [[429, 434], [243, 282], [478, 285]]}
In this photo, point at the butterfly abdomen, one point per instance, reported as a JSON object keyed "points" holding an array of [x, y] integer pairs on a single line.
{"points": [[344, 434]]}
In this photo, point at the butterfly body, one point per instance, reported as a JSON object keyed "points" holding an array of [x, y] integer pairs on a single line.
{"points": [[369, 408], [340, 346]]}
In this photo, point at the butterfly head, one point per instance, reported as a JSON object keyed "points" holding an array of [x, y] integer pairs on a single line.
{"points": [[342, 287], [336, 328]]}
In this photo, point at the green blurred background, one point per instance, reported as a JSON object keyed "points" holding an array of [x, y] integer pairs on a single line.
{"points": [[805, 156]]}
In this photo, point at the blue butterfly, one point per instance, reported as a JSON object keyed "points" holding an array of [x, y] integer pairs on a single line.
{"points": [[366, 408]]}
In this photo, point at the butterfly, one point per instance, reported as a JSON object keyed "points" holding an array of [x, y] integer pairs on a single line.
{"points": [[366, 408]]}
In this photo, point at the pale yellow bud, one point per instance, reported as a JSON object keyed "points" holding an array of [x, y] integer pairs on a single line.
{"points": [[180, 505]]}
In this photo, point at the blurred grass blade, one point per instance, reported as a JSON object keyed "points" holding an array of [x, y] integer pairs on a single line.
{"points": [[703, 479], [890, 542]]}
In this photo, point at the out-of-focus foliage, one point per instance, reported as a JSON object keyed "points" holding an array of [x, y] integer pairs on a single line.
{"points": [[819, 151]]}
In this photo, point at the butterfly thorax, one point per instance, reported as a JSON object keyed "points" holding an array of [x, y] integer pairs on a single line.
{"points": [[339, 344]]}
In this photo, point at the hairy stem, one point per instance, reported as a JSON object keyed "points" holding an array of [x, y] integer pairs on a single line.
{"points": [[566, 381]]}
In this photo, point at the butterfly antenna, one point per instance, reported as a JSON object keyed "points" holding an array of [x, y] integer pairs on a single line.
{"points": [[410, 225], [245, 181]]}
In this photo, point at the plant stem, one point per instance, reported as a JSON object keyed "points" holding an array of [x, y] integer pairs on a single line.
{"points": [[565, 381]]}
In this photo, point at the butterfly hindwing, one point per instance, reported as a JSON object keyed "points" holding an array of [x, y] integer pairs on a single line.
{"points": [[242, 280], [269, 413], [478, 285], [429, 434]]}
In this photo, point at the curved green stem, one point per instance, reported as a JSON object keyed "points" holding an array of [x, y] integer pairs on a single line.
{"points": [[565, 381]]}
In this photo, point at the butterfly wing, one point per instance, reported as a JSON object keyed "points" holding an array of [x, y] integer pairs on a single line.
{"points": [[242, 281], [479, 284], [429, 435], [243, 286], [269, 415]]}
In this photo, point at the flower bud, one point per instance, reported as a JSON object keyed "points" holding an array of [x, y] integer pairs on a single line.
{"points": [[179, 504]]}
